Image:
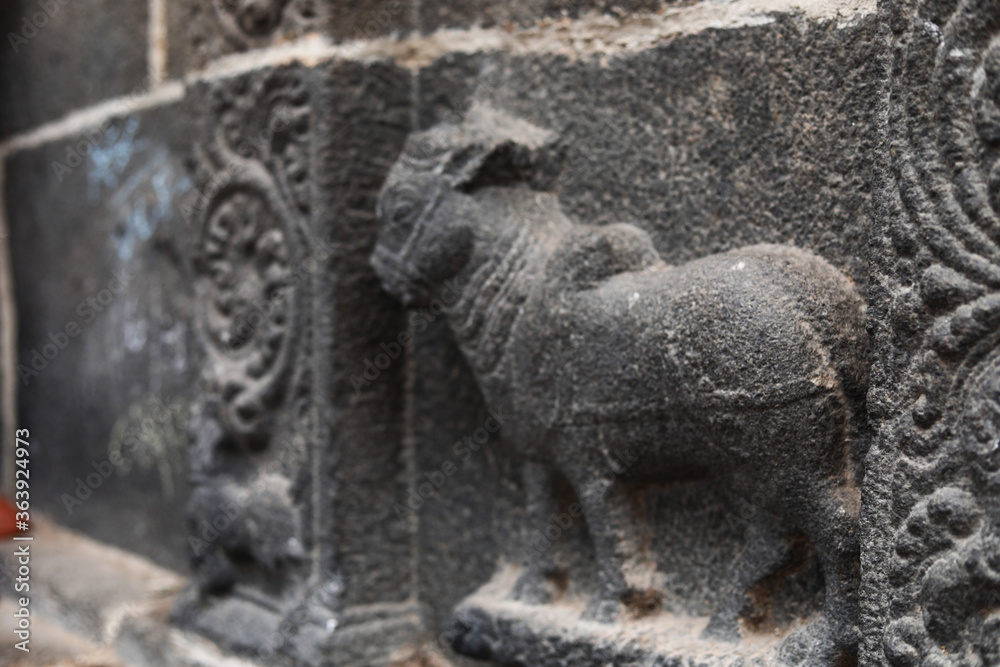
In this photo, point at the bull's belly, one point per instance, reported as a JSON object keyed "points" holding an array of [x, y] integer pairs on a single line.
{"points": [[745, 444], [671, 448]]}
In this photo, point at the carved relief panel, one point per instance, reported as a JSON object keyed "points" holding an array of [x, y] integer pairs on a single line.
{"points": [[626, 418], [620, 372], [591, 494], [285, 450], [932, 589]]}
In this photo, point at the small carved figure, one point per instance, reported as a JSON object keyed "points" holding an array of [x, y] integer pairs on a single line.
{"points": [[748, 366]]}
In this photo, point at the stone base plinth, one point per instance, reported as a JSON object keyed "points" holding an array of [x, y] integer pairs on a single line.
{"points": [[490, 625]]}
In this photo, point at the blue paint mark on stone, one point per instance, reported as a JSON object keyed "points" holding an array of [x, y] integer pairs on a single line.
{"points": [[111, 157], [143, 199]]}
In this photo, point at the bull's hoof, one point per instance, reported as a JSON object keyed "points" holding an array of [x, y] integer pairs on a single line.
{"points": [[814, 645], [603, 610], [531, 588]]}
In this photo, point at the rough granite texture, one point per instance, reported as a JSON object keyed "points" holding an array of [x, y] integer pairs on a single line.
{"points": [[612, 373], [930, 516], [706, 150], [438, 14], [202, 31], [199, 32]]}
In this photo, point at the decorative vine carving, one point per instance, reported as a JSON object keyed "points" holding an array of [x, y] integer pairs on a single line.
{"points": [[255, 199], [252, 23], [250, 218], [935, 468]]}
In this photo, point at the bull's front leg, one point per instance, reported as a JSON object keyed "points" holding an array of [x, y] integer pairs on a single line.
{"points": [[539, 561], [606, 511]]}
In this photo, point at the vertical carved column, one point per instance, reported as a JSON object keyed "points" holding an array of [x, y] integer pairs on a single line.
{"points": [[296, 466], [932, 589], [254, 435]]}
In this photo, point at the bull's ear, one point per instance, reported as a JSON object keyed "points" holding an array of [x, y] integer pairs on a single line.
{"points": [[492, 147], [505, 163]]}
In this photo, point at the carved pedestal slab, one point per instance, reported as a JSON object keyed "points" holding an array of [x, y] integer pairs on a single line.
{"points": [[490, 625]]}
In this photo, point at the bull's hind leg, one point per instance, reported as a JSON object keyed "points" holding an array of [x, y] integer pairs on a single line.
{"points": [[538, 558], [829, 518], [767, 551]]}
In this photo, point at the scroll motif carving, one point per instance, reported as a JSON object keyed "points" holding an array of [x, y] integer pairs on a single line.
{"points": [[249, 308], [251, 218], [252, 23], [934, 471], [246, 260]]}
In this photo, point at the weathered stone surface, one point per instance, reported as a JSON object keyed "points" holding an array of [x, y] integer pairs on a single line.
{"points": [[61, 55], [368, 467], [361, 490], [490, 625], [106, 352], [200, 32], [370, 19], [706, 152], [709, 142], [463, 499], [716, 372], [255, 257]]}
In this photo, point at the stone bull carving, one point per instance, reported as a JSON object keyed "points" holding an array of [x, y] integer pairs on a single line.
{"points": [[748, 366]]}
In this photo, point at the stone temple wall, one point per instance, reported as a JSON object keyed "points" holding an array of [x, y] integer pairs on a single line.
{"points": [[215, 378]]}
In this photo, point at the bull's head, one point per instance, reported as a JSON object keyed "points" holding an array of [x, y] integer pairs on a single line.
{"points": [[427, 214]]}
